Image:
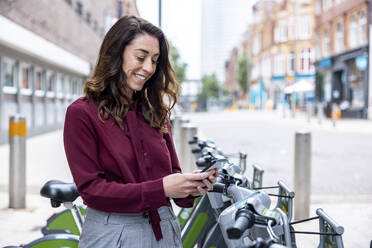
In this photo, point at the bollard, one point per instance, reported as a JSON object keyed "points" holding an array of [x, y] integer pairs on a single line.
{"points": [[187, 159], [176, 131], [309, 111], [334, 114], [320, 113], [293, 105], [17, 161], [302, 174]]}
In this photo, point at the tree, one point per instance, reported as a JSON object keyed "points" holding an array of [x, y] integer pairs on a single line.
{"points": [[179, 67], [319, 82], [210, 89], [243, 72]]}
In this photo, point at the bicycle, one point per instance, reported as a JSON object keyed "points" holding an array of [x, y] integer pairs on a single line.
{"points": [[59, 193]]}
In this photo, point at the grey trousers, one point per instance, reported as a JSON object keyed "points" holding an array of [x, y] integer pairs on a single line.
{"points": [[106, 230]]}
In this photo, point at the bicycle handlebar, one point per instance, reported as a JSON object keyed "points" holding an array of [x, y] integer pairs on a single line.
{"points": [[194, 140], [244, 220], [218, 188]]}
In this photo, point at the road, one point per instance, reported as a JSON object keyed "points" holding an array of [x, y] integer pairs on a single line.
{"points": [[341, 162], [341, 157]]}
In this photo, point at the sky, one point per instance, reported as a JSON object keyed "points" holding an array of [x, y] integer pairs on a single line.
{"points": [[181, 23]]}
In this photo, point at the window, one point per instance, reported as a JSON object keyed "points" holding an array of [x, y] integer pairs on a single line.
{"points": [[291, 63], [59, 80], [304, 27], [88, 18], [38, 80], [318, 7], [306, 58], [326, 48], [279, 64], [8, 68], [266, 67], [339, 38], [291, 28], [327, 4], [256, 48], [51, 82], [25, 80], [79, 8], [283, 30], [362, 28], [318, 54], [353, 33]]}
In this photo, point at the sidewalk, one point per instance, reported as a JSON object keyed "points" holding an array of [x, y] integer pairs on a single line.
{"points": [[300, 119], [46, 161]]}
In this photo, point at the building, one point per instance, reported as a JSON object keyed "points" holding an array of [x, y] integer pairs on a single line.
{"points": [[222, 23], [231, 83], [47, 50], [281, 47], [342, 54]]}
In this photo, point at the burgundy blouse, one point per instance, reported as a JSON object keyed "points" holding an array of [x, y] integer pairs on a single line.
{"points": [[120, 171]]}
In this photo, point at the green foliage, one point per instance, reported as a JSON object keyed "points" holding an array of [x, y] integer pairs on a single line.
{"points": [[179, 67], [210, 89], [243, 72], [319, 86]]}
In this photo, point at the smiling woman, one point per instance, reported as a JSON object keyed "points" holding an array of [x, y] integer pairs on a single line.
{"points": [[140, 60], [119, 146]]}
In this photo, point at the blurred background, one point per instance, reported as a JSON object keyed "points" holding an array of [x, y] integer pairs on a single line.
{"points": [[304, 55], [251, 72]]}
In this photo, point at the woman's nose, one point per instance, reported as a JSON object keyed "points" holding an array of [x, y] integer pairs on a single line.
{"points": [[148, 66]]}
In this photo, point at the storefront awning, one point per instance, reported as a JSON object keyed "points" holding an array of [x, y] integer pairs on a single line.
{"points": [[300, 86]]}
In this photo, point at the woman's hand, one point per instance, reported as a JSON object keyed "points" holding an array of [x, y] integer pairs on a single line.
{"points": [[208, 182], [182, 185]]}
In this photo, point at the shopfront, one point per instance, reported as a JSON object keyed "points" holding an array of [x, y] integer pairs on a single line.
{"points": [[346, 81]]}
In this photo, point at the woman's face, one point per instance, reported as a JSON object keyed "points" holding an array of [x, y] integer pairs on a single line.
{"points": [[140, 58]]}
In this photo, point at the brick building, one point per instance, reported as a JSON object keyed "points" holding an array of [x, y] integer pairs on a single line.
{"points": [[342, 53], [281, 48]]}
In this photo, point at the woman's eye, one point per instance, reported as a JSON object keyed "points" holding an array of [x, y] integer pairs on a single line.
{"points": [[141, 59]]}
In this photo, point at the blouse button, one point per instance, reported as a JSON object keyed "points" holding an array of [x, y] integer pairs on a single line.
{"points": [[145, 154]]}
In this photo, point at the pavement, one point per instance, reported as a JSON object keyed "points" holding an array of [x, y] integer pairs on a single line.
{"points": [[46, 160]]}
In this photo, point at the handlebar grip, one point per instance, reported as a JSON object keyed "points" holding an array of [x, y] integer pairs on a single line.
{"points": [[196, 150], [243, 221], [201, 162], [218, 187], [205, 161], [194, 140]]}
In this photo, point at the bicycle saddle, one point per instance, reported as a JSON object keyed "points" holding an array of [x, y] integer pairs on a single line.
{"points": [[59, 192]]}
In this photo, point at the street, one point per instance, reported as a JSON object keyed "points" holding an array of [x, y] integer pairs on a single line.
{"points": [[341, 157], [340, 163]]}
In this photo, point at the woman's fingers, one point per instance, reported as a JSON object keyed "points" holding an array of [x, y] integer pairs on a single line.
{"points": [[199, 176], [202, 191], [208, 184]]}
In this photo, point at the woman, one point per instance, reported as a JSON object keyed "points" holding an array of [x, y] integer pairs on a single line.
{"points": [[119, 146]]}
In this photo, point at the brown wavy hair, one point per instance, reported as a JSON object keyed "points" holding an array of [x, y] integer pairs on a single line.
{"points": [[107, 85]]}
